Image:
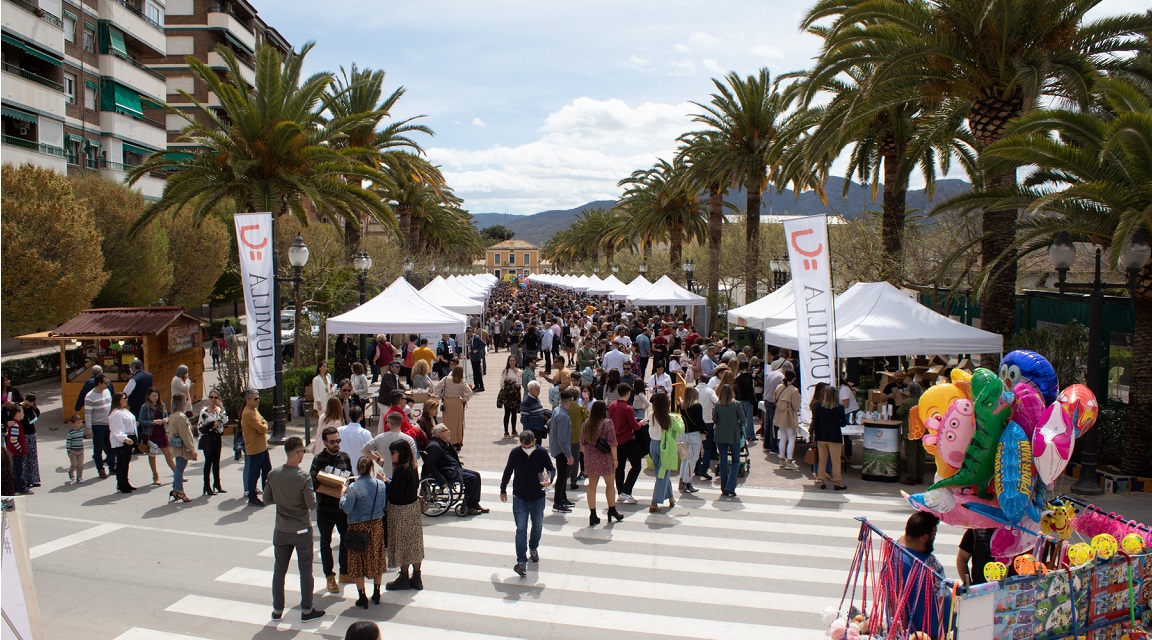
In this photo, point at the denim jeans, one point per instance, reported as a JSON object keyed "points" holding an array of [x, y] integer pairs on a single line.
{"points": [[178, 478], [729, 465], [770, 436], [283, 544], [749, 423], [689, 463], [707, 446], [663, 489], [102, 448], [257, 467], [522, 510]]}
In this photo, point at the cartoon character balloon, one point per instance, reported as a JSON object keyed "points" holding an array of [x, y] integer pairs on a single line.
{"points": [[1029, 366], [1080, 403], [1014, 473], [948, 505], [1058, 519], [952, 433], [980, 458], [1052, 444]]}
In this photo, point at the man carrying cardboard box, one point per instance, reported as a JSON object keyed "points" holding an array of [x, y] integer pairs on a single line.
{"points": [[328, 512]]}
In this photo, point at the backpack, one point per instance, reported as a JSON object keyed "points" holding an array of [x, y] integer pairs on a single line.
{"points": [[554, 395]]}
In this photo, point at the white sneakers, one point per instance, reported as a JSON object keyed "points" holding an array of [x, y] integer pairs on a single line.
{"points": [[627, 499]]}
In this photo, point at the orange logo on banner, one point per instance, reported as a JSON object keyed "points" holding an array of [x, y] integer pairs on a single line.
{"points": [[255, 252], [809, 265]]}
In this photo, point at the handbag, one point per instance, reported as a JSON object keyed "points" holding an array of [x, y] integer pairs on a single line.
{"points": [[176, 442], [810, 457], [682, 450], [602, 445], [358, 540]]}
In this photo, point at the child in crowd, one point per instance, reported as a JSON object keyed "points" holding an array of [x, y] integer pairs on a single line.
{"points": [[74, 445], [640, 402]]}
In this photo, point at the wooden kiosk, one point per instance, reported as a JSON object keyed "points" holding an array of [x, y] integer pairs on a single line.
{"points": [[163, 338]]}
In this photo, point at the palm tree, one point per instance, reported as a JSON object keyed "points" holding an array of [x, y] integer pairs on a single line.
{"points": [[361, 91], [268, 150], [702, 154], [1091, 180], [889, 142], [662, 207], [998, 56], [745, 115]]}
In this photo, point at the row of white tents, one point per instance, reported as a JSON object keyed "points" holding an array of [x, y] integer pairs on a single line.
{"points": [[641, 292], [442, 306]]}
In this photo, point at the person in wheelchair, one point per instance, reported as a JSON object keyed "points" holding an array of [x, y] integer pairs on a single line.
{"points": [[442, 463]]}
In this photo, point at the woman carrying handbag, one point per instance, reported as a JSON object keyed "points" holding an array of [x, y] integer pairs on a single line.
{"points": [[183, 444]]}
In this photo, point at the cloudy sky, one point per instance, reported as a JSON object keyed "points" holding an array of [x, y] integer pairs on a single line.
{"points": [[546, 105]]}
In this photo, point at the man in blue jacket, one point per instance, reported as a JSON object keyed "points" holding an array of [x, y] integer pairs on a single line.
{"points": [[534, 472], [533, 415]]}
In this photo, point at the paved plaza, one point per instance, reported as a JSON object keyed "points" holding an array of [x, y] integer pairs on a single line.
{"points": [[131, 567]]}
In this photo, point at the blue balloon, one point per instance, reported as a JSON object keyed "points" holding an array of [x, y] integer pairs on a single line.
{"points": [[1029, 366], [1014, 473]]}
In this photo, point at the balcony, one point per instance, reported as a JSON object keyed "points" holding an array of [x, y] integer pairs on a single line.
{"points": [[216, 61], [39, 94], [35, 25], [150, 186], [223, 18], [132, 73], [143, 131], [20, 150], [131, 20]]}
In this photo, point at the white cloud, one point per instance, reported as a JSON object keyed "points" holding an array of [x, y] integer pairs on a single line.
{"points": [[582, 151], [767, 51], [682, 48], [477, 122], [640, 64], [702, 40], [682, 68], [713, 66]]}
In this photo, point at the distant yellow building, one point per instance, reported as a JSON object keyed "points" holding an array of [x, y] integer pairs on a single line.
{"points": [[512, 257]]}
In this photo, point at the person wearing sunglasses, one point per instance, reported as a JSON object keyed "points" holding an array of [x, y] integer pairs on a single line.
{"points": [[328, 511], [213, 418]]}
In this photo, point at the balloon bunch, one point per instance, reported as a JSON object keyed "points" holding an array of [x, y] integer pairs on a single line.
{"points": [[1000, 442]]}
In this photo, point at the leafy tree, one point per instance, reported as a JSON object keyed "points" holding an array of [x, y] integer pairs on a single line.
{"points": [[199, 256], [51, 262], [139, 272], [496, 233]]}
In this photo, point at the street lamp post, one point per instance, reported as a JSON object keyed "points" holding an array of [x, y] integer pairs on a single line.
{"points": [[780, 271], [615, 269], [363, 263], [689, 269], [644, 268], [297, 257], [431, 272], [1062, 253], [408, 266]]}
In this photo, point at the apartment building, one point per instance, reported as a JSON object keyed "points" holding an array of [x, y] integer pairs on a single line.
{"points": [[198, 28], [85, 81]]}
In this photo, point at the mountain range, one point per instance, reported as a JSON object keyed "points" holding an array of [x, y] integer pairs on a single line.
{"points": [[539, 227]]}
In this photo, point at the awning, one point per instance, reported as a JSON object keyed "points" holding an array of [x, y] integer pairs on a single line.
{"points": [[91, 85], [33, 51], [92, 143], [178, 156], [131, 148], [236, 43], [69, 14], [125, 99], [23, 116], [114, 40]]}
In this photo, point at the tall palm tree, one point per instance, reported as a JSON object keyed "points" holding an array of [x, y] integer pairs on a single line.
{"points": [[702, 154], [269, 150], [1090, 180], [361, 91], [417, 186], [662, 207], [745, 114], [998, 56]]}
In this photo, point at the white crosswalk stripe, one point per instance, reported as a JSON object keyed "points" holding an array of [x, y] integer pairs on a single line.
{"points": [[766, 564]]}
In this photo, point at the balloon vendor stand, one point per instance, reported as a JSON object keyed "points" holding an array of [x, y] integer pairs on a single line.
{"points": [[1097, 590]]}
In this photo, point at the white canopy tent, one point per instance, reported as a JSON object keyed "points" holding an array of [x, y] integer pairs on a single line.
{"points": [[608, 286], [465, 289], [639, 285], [876, 319], [773, 309], [665, 291], [442, 294], [398, 309]]}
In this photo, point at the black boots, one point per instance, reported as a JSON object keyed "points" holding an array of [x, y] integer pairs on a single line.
{"points": [[401, 582], [613, 513], [416, 581], [593, 519], [376, 594], [362, 601]]}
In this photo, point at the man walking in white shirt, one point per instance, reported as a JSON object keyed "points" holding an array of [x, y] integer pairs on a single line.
{"points": [[353, 436]]}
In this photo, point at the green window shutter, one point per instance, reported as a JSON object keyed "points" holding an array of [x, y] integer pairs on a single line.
{"points": [[23, 116], [131, 148]]}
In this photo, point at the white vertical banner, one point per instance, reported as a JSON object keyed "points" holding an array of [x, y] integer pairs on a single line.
{"points": [[807, 239], [254, 235]]}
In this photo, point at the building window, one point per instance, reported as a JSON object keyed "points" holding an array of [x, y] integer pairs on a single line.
{"points": [[511, 258], [496, 259], [89, 97], [154, 13], [496, 273], [527, 260], [69, 28], [89, 40], [70, 87]]}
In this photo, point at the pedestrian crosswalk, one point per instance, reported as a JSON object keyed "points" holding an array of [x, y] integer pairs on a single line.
{"points": [[766, 563]]}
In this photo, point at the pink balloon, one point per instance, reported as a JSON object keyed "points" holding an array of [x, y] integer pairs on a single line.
{"points": [[1052, 444], [948, 505], [1008, 543], [1027, 407], [1080, 403]]}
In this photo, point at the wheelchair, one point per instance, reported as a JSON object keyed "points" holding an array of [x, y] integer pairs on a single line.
{"points": [[440, 499]]}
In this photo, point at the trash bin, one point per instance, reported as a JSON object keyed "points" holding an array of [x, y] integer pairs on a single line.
{"points": [[881, 450]]}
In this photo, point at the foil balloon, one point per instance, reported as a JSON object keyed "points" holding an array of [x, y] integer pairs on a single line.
{"points": [[947, 504], [980, 458], [951, 434], [1132, 544], [1080, 403], [1104, 545], [1027, 407], [932, 406], [1014, 473], [1052, 444], [1079, 554], [1008, 543], [1029, 366], [995, 571]]}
